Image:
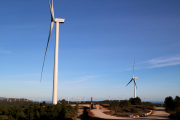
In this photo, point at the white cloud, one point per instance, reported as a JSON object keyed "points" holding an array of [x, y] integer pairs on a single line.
{"points": [[156, 63], [163, 61]]}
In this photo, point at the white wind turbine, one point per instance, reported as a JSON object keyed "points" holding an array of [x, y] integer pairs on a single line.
{"points": [[55, 78], [134, 79], [84, 99]]}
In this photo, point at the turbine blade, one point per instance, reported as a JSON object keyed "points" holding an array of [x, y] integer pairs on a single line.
{"points": [[129, 82], [51, 10], [51, 27]]}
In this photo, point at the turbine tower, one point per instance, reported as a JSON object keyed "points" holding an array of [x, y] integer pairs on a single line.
{"points": [[134, 79], [55, 78]]}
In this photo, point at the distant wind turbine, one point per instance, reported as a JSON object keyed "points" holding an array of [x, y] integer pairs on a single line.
{"points": [[134, 79], [55, 81]]}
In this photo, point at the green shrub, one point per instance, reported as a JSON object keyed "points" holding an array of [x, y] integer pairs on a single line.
{"points": [[1, 118], [169, 102], [135, 110], [126, 109], [125, 103], [40, 112], [135, 101]]}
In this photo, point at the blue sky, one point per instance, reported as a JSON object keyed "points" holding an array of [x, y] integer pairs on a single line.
{"points": [[97, 46]]}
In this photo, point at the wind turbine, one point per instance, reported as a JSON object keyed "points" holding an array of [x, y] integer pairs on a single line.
{"points": [[134, 79], [55, 78]]}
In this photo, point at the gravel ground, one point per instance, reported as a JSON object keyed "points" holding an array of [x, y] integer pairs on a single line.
{"points": [[158, 114]]}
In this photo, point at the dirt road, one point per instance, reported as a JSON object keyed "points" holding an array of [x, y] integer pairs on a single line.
{"points": [[158, 114]]}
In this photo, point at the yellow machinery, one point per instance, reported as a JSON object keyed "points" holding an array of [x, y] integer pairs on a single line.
{"points": [[94, 105]]}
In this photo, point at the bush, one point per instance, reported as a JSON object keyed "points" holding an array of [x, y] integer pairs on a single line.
{"points": [[114, 106], [40, 112], [135, 110], [177, 101], [126, 109], [169, 103], [1, 118], [125, 103], [135, 101], [173, 106]]}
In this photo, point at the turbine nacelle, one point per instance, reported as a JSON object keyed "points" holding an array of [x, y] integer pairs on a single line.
{"points": [[134, 78], [59, 20]]}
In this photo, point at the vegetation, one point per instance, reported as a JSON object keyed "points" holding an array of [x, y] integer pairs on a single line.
{"points": [[6, 103], [41, 111], [125, 103], [129, 107], [173, 106], [135, 101]]}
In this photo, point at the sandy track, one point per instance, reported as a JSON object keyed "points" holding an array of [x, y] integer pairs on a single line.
{"points": [[158, 114]]}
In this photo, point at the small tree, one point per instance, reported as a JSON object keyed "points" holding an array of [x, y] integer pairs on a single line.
{"points": [[125, 103], [177, 101], [114, 106], [1, 118], [169, 102], [135, 101], [131, 100]]}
